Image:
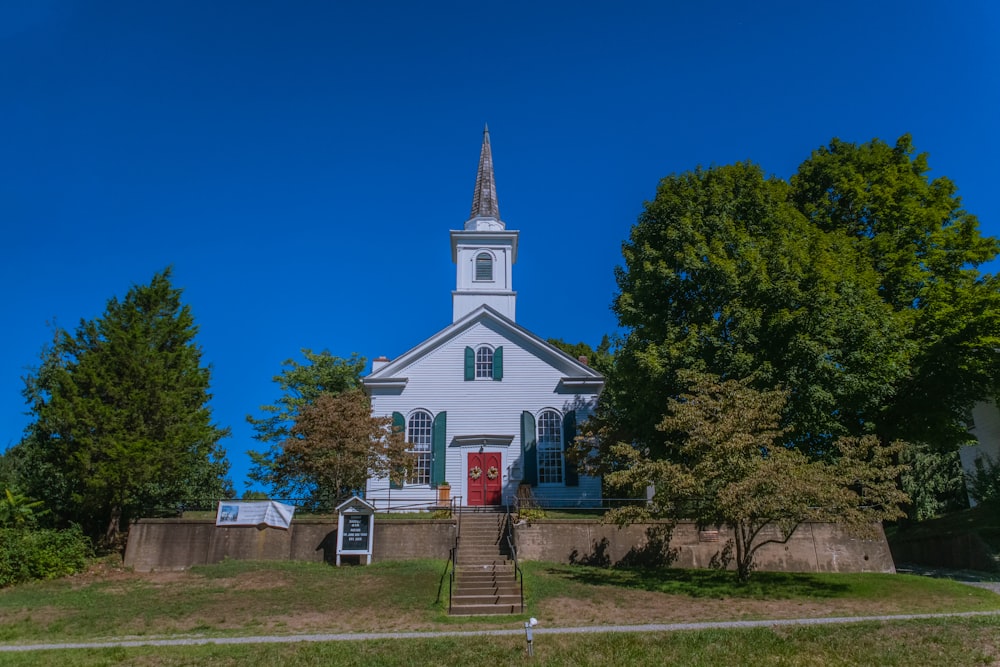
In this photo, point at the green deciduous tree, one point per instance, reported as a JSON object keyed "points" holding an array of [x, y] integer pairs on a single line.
{"points": [[121, 415], [934, 481], [333, 447], [855, 286], [723, 275], [925, 250], [734, 468], [601, 359], [301, 385]]}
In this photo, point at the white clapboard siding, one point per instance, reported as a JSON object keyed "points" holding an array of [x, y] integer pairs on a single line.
{"points": [[531, 381]]}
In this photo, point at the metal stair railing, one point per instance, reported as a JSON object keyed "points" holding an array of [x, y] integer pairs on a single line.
{"points": [[449, 567], [456, 511], [508, 530]]}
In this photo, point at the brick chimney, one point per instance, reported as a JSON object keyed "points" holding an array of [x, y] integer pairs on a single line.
{"points": [[378, 363]]}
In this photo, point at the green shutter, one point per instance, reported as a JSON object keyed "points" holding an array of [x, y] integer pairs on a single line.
{"points": [[498, 363], [529, 452], [569, 434], [470, 364], [398, 426], [438, 451]]}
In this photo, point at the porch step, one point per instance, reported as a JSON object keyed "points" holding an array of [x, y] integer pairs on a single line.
{"points": [[485, 609], [505, 569], [488, 587], [484, 576], [482, 600], [485, 560]]}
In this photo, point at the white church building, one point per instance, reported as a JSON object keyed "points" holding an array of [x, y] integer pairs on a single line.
{"points": [[485, 404]]}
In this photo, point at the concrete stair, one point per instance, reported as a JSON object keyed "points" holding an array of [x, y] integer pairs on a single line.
{"points": [[485, 582]]}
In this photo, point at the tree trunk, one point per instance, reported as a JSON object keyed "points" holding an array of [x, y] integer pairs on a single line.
{"points": [[744, 556], [112, 532]]}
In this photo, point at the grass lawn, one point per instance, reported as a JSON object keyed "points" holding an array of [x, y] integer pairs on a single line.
{"points": [[952, 643], [246, 598]]}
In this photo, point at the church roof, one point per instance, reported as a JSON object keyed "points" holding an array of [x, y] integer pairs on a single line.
{"points": [[575, 374], [484, 197]]}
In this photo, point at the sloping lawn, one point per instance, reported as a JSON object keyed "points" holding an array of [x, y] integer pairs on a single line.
{"points": [[948, 643], [247, 598]]}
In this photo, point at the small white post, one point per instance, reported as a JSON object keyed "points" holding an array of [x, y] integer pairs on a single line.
{"points": [[529, 635]]}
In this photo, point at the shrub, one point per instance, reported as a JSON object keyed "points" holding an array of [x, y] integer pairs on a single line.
{"points": [[41, 554], [984, 483]]}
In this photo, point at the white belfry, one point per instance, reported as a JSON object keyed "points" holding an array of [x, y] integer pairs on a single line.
{"points": [[484, 251]]}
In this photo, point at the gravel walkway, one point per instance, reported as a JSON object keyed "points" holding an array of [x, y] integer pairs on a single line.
{"points": [[363, 636]]}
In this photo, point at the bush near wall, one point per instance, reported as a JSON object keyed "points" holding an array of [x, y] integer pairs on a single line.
{"points": [[41, 554]]}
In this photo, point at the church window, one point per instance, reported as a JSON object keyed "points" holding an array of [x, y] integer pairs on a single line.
{"points": [[418, 434], [484, 267], [550, 448], [484, 362]]}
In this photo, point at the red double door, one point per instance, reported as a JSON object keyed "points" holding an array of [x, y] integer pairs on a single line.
{"points": [[484, 478]]}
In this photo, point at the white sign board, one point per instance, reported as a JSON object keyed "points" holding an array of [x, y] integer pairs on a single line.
{"points": [[267, 512]]}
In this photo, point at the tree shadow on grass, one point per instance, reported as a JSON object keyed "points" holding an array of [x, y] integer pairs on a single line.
{"points": [[705, 583]]}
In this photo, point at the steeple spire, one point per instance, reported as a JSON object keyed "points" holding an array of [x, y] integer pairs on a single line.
{"points": [[484, 251], [484, 198]]}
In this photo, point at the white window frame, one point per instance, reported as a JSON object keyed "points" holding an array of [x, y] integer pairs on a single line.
{"points": [[419, 434], [549, 436], [484, 362]]}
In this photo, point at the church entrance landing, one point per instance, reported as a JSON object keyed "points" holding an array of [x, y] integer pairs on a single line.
{"points": [[484, 478]]}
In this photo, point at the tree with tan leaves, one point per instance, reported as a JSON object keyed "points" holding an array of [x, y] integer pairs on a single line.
{"points": [[731, 468], [334, 446]]}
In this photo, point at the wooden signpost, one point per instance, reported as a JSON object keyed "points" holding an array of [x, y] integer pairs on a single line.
{"points": [[355, 529]]}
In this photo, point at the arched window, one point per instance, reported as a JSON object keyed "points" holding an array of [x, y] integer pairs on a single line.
{"points": [[418, 434], [484, 362], [550, 448], [484, 266]]}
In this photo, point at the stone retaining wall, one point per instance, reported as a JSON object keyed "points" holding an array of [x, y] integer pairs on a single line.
{"points": [[173, 544], [177, 544], [965, 551], [816, 547]]}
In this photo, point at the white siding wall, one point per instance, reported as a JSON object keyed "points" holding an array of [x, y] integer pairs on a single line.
{"points": [[484, 407]]}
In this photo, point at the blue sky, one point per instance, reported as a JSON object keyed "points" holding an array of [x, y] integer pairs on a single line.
{"points": [[300, 164]]}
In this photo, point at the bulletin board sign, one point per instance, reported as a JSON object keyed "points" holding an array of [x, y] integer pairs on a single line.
{"points": [[256, 513], [355, 529]]}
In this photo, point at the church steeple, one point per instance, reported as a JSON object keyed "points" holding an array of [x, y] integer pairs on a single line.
{"points": [[485, 212], [485, 250]]}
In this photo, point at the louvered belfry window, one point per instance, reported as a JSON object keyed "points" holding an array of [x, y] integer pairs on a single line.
{"points": [[484, 267]]}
